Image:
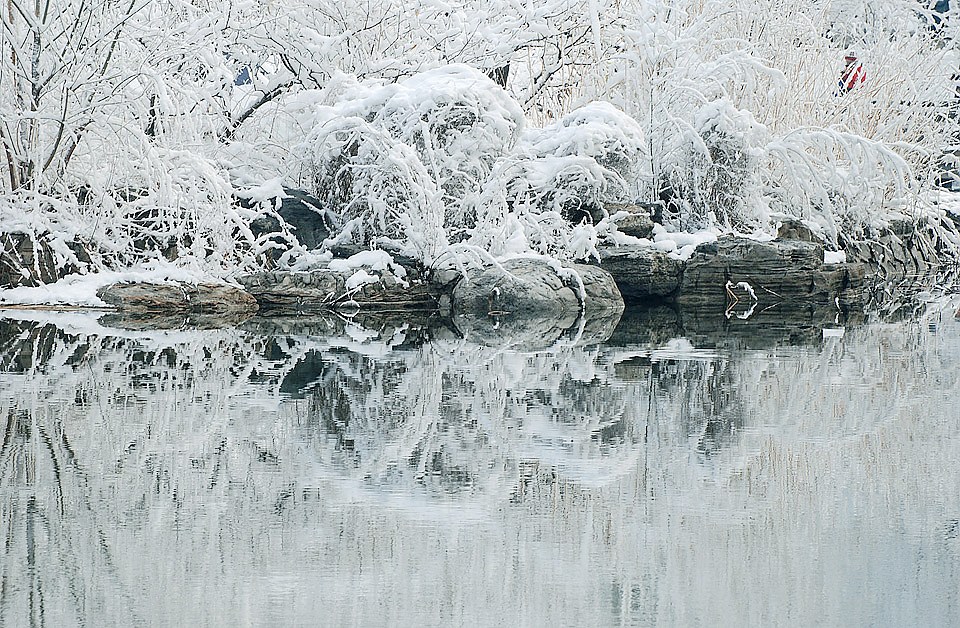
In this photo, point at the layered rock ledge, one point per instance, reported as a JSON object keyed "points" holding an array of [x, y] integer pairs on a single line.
{"points": [[743, 275]]}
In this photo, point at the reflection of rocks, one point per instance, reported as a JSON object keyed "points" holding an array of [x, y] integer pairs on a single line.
{"points": [[408, 421], [536, 332], [715, 327], [528, 305], [25, 345], [781, 324], [144, 321], [522, 332], [417, 326], [647, 325]]}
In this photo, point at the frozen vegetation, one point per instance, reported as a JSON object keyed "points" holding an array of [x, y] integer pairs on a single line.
{"points": [[463, 131]]}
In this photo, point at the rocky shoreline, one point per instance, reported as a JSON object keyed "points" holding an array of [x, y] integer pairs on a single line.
{"points": [[734, 277]]}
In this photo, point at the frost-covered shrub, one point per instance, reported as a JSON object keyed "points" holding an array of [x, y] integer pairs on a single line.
{"points": [[377, 186], [597, 130], [590, 156], [841, 181], [460, 123], [556, 182], [408, 161], [435, 161], [168, 206], [714, 181]]}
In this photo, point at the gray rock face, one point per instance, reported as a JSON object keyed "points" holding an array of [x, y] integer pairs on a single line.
{"points": [[633, 220], [774, 271], [795, 229], [524, 287], [601, 293], [294, 292], [905, 249], [303, 212], [193, 298], [528, 305], [642, 273]]}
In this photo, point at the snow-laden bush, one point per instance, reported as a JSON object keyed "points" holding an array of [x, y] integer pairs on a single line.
{"points": [[108, 101], [556, 182], [841, 181], [439, 159], [378, 187], [173, 206], [715, 180], [406, 163], [842, 160], [588, 157]]}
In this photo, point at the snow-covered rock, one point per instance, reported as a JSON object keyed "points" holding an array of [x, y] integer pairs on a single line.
{"points": [[532, 286]]}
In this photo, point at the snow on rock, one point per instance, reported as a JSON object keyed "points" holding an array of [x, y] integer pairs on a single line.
{"points": [[834, 257], [680, 245], [359, 278], [269, 190], [380, 263], [375, 260], [81, 290]]}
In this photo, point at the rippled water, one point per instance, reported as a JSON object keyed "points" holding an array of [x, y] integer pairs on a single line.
{"points": [[682, 471]]}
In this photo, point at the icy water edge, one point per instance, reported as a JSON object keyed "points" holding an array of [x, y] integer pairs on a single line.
{"points": [[323, 473]]}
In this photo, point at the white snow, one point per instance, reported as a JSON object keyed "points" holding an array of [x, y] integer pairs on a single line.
{"points": [[81, 290], [360, 278], [679, 244], [834, 257], [375, 260], [268, 190]]}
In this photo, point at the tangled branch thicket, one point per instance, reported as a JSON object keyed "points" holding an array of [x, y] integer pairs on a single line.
{"points": [[463, 127]]}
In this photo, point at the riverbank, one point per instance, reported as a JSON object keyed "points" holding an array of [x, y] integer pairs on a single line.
{"points": [[734, 275]]}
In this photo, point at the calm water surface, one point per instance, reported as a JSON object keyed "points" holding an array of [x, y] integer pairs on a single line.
{"points": [[677, 470]]}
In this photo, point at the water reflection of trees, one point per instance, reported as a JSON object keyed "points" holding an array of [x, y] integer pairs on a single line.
{"points": [[449, 417], [203, 442]]}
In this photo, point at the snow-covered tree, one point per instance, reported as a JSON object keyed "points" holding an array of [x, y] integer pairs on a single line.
{"points": [[132, 125]]}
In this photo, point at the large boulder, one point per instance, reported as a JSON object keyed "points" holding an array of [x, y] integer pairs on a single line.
{"points": [[527, 286], [642, 273], [735, 269], [532, 303], [325, 289], [634, 219], [304, 214], [201, 298]]}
